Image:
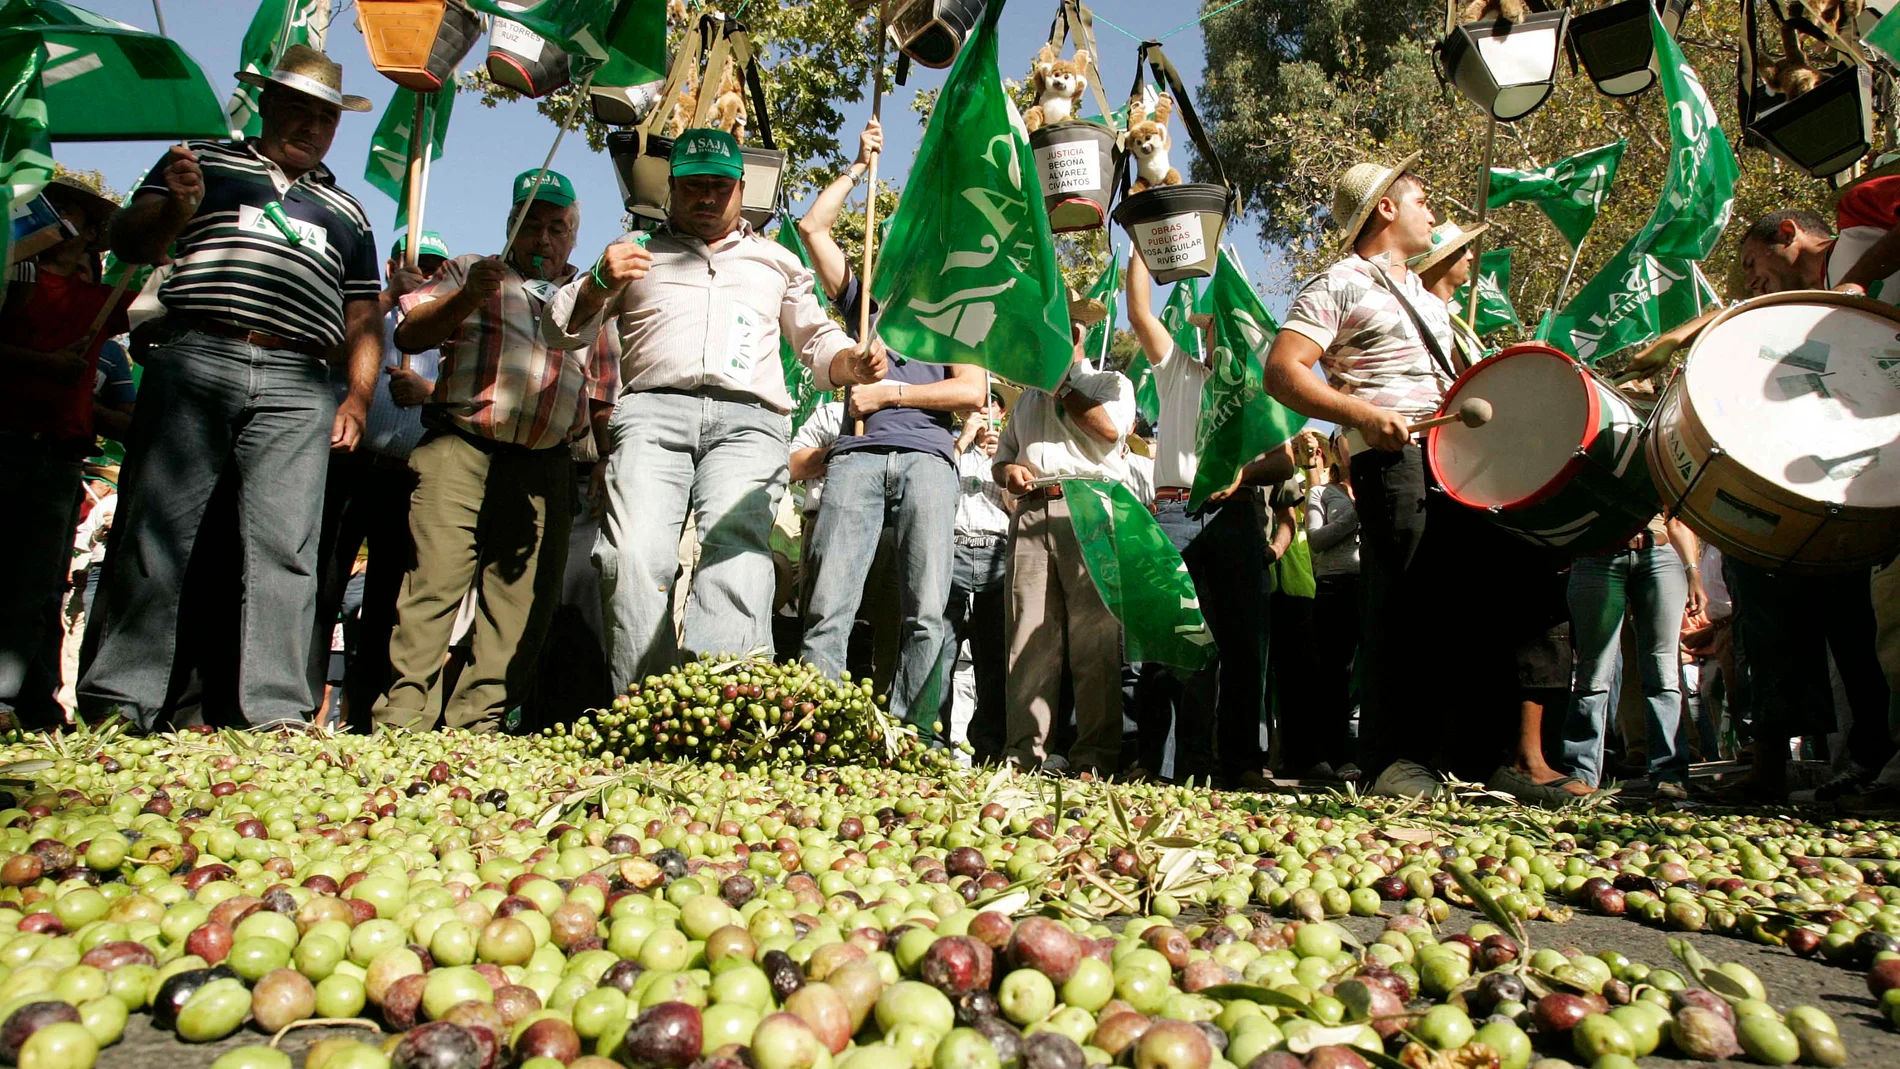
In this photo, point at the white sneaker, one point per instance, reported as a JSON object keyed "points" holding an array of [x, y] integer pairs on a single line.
{"points": [[1407, 779]]}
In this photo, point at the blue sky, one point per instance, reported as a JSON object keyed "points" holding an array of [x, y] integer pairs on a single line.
{"points": [[468, 190]]}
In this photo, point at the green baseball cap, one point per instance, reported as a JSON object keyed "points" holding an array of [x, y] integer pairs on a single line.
{"points": [[430, 244], [555, 188], [705, 151]]}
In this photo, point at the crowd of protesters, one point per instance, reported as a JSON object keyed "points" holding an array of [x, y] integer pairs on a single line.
{"points": [[486, 490]]}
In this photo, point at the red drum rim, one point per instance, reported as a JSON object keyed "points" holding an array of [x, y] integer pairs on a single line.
{"points": [[1593, 413]]}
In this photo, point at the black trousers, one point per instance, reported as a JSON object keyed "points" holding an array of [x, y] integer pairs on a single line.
{"points": [[1315, 726], [366, 502]]}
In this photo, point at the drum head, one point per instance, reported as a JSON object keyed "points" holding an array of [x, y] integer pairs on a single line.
{"points": [[1805, 394], [1541, 410]]}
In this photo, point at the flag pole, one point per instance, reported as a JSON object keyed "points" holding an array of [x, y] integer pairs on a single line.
{"points": [[573, 114], [1564, 286], [159, 14], [418, 151], [870, 197], [1484, 195], [105, 310]]}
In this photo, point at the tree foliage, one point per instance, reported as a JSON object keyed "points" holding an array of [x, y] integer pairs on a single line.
{"points": [[1296, 91]]}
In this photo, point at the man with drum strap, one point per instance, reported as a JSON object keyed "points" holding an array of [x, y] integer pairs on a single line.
{"points": [[1384, 342], [1225, 552]]}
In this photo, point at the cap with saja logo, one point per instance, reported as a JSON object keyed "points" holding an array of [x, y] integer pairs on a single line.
{"points": [[554, 188], [706, 151]]}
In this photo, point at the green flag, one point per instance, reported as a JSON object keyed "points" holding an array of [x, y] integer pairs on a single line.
{"points": [[1884, 38], [1239, 421], [1494, 293], [1699, 189], [622, 41], [104, 80], [1107, 289], [1629, 302], [1140, 576], [969, 273], [1569, 191], [26, 158], [277, 25], [388, 166], [806, 396]]}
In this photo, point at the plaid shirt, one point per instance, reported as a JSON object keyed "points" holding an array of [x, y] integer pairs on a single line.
{"points": [[499, 378], [1370, 348]]}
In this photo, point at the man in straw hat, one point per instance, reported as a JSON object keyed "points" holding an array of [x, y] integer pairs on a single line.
{"points": [[274, 274], [48, 361], [1226, 555], [892, 466], [701, 423], [1385, 344], [1444, 270], [1055, 616]]}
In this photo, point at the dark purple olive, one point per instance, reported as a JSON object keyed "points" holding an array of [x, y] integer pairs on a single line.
{"points": [[1004, 1037], [666, 1036], [784, 973], [178, 989], [27, 1020], [621, 975], [974, 1004], [437, 1045], [1051, 1050]]}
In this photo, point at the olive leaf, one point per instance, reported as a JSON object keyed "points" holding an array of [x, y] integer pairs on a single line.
{"points": [[1306, 1040], [1265, 996], [1489, 906], [1706, 973]]}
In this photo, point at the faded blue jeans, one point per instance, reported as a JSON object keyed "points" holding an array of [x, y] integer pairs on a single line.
{"points": [[915, 495], [211, 408], [727, 462], [1654, 586]]}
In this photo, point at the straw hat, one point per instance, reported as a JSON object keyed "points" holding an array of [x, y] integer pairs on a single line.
{"points": [[69, 191], [1085, 311], [310, 72], [1448, 238], [1358, 191]]}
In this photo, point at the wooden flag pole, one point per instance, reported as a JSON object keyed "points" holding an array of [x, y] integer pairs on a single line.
{"points": [[870, 196], [418, 151], [1484, 194], [1564, 286], [573, 113], [105, 310]]}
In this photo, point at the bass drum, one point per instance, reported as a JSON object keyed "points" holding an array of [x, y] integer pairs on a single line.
{"points": [[1559, 464], [1779, 440]]}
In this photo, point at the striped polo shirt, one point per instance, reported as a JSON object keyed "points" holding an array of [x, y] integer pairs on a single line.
{"points": [[235, 266]]}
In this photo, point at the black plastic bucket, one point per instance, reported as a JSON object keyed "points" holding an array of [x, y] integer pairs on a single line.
{"points": [[763, 168], [525, 61], [1076, 162], [643, 175], [1177, 229]]}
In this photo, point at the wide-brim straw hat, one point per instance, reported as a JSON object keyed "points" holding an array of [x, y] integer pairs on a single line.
{"points": [[1448, 239], [67, 189], [1085, 311], [1358, 191], [305, 70]]}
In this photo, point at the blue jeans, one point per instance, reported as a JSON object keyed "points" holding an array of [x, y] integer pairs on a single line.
{"points": [[727, 462], [1654, 585], [915, 495], [211, 408], [39, 481], [979, 586]]}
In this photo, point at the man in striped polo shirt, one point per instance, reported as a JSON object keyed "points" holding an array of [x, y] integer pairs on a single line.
{"points": [[494, 499], [274, 274]]}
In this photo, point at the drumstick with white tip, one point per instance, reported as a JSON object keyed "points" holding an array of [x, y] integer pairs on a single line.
{"points": [[1472, 412]]}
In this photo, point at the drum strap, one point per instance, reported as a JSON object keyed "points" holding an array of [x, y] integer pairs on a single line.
{"points": [[1425, 334]]}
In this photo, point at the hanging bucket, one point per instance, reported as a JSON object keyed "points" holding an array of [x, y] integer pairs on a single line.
{"points": [[643, 170], [1176, 229], [763, 168], [417, 43], [624, 105], [1076, 161], [524, 61]]}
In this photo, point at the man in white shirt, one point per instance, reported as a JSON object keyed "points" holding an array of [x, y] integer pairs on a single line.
{"points": [[1055, 615]]}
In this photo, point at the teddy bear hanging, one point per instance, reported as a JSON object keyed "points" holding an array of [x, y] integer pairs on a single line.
{"points": [[1058, 85], [1793, 74], [728, 108], [1147, 141], [1512, 11]]}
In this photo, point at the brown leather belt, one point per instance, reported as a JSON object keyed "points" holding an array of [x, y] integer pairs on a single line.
{"points": [[1044, 493], [1171, 493], [258, 338]]}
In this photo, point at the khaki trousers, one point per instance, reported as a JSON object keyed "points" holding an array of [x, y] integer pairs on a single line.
{"points": [[1055, 618], [497, 519]]}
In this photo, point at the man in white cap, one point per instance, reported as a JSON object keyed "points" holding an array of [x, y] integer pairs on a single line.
{"points": [[1385, 344], [274, 276]]}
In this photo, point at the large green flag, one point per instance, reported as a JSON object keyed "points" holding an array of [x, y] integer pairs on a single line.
{"points": [[1107, 289], [806, 396], [388, 165], [277, 25], [1140, 576], [1239, 422], [1630, 301], [104, 80], [1570, 191], [26, 158], [968, 275], [1699, 188], [1494, 293], [623, 42]]}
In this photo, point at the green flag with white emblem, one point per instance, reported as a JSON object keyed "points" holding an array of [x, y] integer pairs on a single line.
{"points": [[277, 25], [1494, 293], [1140, 576], [388, 166], [1239, 422], [1629, 302], [1699, 188], [969, 275], [806, 396], [1107, 289], [26, 159], [1569, 191]]}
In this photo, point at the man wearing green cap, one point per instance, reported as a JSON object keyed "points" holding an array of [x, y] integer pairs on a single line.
{"points": [[493, 502], [366, 498], [701, 422]]}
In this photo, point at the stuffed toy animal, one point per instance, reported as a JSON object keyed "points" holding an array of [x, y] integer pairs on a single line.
{"points": [[1058, 85], [1792, 74], [1490, 10], [682, 116], [728, 110], [1147, 141]]}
